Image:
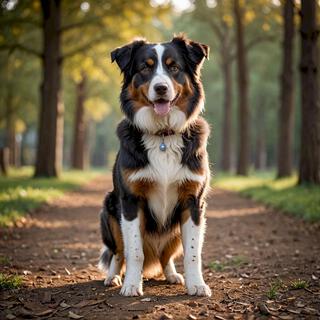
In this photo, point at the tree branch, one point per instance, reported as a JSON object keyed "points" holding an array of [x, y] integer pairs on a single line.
{"points": [[86, 46], [82, 23], [252, 43], [257, 40], [7, 21], [20, 47]]}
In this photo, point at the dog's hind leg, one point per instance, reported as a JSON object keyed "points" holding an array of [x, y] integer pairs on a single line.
{"points": [[111, 259], [171, 251], [172, 276], [113, 278]]}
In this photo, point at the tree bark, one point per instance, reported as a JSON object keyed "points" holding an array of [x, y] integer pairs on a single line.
{"points": [[309, 167], [227, 115], [79, 155], [286, 112], [260, 158], [50, 135], [11, 142], [243, 109]]}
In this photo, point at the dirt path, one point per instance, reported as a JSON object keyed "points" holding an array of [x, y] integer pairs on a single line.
{"points": [[57, 250]]}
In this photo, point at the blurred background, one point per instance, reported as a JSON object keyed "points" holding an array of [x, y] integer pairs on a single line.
{"points": [[59, 104]]}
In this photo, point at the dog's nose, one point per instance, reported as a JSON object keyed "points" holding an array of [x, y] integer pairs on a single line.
{"points": [[161, 88]]}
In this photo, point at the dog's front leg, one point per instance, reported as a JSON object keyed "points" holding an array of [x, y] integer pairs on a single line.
{"points": [[192, 238], [133, 249]]}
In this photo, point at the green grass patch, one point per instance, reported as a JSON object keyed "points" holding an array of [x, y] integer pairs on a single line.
{"points": [[274, 288], [298, 284], [283, 194], [20, 193], [4, 261], [9, 281], [235, 261]]}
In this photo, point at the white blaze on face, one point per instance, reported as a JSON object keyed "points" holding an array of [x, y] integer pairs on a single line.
{"points": [[161, 77]]}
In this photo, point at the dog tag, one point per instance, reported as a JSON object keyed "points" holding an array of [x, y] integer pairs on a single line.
{"points": [[162, 146]]}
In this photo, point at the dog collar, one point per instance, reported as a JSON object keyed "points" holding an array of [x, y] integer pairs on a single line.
{"points": [[165, 132]]}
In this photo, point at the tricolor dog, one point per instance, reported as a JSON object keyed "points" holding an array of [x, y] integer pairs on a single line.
{"points": [[156, 210]]}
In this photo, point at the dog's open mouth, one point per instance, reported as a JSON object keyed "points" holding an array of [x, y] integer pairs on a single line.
{"points": [[163, 106]]}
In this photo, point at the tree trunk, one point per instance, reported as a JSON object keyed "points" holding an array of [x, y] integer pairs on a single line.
{"points": [[309, 168], [227, 116], [260, 159], [286, 112], [244, 113], [11, 142], [49, 150], [79, 157]]}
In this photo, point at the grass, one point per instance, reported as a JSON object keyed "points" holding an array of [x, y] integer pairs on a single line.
{"points": [[9, 281], [274, 288], [283, 194], [20, 193], [298, 284], [235, 261]]}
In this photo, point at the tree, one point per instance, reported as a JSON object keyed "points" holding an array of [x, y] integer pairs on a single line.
{"points": [[79, 160], [49, 151], [243, 108], [309, 167], [286, 111], [58, 28]]}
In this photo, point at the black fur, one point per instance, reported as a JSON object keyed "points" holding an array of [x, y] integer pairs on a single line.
{"points": [[132, 60]]}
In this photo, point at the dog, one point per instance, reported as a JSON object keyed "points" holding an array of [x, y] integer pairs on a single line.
{"points": [[161, 173]]}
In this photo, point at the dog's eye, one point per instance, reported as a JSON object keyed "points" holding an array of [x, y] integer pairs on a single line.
{"points": [[145, 69], [174, 69]]}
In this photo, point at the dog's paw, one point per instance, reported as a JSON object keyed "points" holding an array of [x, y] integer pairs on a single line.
{"points": [[175, 278], [202, 290], [113, 281], [131, 290]]}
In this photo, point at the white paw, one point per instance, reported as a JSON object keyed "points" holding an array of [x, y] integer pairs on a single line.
{"points": [[175, 278], [131, 290], [113, 281], [202, 290]]}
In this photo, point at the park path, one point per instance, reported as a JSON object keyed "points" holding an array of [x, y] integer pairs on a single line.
{"points": [[256, 256]]}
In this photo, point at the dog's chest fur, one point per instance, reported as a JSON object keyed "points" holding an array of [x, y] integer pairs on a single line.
{"points": [[166, 172]]}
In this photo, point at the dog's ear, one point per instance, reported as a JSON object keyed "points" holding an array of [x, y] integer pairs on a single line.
{"points": [[196, 51], [123, 55]]}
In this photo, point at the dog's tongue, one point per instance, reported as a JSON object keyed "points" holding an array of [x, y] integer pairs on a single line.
{"points": [[162, 108]]}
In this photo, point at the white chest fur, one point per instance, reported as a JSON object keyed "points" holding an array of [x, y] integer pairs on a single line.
{"points": [[166, 171]]}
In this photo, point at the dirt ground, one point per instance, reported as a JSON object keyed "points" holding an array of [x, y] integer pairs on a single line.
{"points": [[252, 259]]}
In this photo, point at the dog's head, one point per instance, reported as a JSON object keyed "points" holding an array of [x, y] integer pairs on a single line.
{"points": [[161, 87]]}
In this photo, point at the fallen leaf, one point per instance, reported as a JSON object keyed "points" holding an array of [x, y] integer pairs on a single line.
{"points": [[44, 313], [166, 316], [64, 305], [285, 317], [10, 316], [85, 303], [219, 317], [191, 317], [67, 271], [26, 272], [73, 315], [294, 311]]}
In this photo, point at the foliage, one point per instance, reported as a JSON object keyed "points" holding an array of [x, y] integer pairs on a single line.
{"points": [[274, 288], [20, 193], [298, 284], [235, 262], [283, 194], [9, 281]]}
